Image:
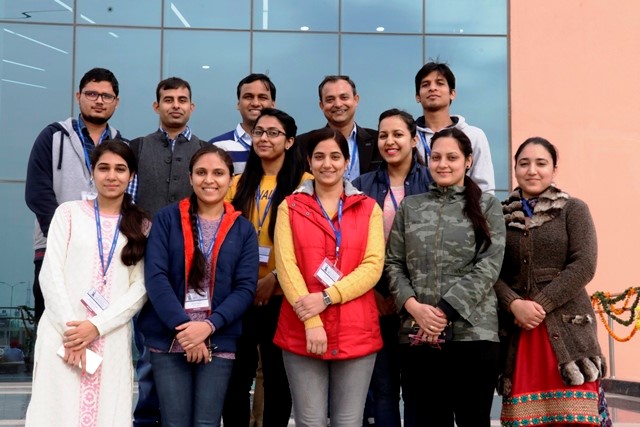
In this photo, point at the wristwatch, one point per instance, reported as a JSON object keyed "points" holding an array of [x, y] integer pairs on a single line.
{"points": [[326, 298]]}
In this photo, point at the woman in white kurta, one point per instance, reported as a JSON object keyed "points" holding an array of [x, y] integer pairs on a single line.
{"points": [[63, 394]]}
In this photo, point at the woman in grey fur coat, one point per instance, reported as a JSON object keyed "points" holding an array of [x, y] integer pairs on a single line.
{"points": [[552, 359]]}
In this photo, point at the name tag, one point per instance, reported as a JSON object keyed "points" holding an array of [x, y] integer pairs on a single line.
{"points": [[264, 252], [327, 273], [94, 301], [196, 302]]}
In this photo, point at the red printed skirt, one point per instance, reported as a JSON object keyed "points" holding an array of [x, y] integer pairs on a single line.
{"points": [[538, 395]]}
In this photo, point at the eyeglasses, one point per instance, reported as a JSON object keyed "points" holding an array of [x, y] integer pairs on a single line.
{"points": [[271, 133], [92, 95]]}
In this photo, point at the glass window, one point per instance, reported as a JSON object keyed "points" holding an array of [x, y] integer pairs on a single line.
{"points": [[195, 57], [383, 68], [16, 258], [382, 16], [466, 16], [119, 12], [316, 15], [297, 63], [134, 57], [36, 87], [27, 11], [480, 67], [232, 14]]}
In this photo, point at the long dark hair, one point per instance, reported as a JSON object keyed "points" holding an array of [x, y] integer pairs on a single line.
{"points": [[198, 263], [287, 179], [134, 217], [472, 192]]}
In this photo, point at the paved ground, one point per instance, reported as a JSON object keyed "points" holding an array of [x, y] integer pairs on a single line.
{"points": [[14, 398]]}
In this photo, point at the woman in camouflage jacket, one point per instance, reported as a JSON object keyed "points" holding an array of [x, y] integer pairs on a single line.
{"points": [[443, 257]]}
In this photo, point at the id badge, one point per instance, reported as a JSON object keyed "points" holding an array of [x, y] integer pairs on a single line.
{"points": [[327, 273], [264, 252], [196, 302], [94, 301]]}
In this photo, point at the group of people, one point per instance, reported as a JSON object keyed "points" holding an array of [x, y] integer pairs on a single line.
{"points": [[353, 265]]}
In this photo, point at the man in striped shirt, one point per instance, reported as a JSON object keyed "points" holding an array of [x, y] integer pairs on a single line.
{"points": [[255, 92]]}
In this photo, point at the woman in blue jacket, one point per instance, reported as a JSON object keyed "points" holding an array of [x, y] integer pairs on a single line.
{"points": [[401, 174], [201, 269]]}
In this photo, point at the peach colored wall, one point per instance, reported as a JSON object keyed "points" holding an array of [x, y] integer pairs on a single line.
{"points": [[575, 79]]}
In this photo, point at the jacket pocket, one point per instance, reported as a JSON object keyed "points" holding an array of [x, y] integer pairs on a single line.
{"points": [[543, 275]]}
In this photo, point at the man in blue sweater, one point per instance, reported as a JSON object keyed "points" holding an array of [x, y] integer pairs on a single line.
{"points": [[59, 168]]}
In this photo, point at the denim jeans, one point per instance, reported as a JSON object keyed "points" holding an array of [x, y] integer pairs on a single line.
{"points": [[191, 394], [345, 382], [147, 410]]}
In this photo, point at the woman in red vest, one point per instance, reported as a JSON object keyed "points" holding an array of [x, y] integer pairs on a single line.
{"points": [[329, 251]]}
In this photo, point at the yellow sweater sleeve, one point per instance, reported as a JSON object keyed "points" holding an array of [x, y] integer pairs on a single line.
{"points": [[289, 275], [367, 274]]}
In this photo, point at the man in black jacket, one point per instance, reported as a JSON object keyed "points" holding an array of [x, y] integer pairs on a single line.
{"points": [[339, 101]]}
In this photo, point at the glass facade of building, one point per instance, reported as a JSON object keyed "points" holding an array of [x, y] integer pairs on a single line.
{"points": [[47, 45]]}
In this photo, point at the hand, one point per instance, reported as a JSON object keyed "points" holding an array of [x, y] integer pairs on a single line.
{"points": [[193, 333], [309, 305], [197, 354], [80, 334], [424, 337], [316, 340], [428, 317], [266, 286], [77, 358], [528, 314], [386, 305]]}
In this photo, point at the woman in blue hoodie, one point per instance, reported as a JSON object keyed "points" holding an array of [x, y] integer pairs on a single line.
{"points": [[201, 269]]}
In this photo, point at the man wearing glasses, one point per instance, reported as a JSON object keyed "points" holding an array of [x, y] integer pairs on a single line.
{"points": [[59, 168], [338, 102]]}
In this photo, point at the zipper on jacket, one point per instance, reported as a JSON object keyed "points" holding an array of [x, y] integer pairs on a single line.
{"points": [[438, 243]]}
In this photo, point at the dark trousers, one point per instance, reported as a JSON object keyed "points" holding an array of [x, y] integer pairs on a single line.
{"points": [[37, 290], [259, 327], [147, 410], [456, 382], [385, 381]]}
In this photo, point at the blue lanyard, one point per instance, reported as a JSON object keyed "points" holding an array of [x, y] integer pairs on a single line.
{"points": [[237, 137], [393, 198], [527, 208], [427, 149], [336, 231], [84, 145], [266, 210], [113, 244], [209, 250]]}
